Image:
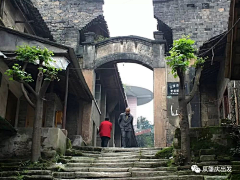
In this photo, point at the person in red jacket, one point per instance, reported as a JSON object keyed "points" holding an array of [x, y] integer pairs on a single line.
{"points": [[105, 131]]}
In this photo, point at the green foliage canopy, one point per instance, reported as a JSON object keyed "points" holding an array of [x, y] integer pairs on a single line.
{"points": [[182, 52], [34, 55]]}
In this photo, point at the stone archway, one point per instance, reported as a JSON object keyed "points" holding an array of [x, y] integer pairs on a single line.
{"points": [[149, 53]]}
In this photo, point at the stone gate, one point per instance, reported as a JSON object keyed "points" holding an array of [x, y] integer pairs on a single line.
{"points": [[132, 49]]}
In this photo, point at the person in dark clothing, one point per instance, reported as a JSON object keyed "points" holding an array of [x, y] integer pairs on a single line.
{"points": [[125, 122], [105, 132]]}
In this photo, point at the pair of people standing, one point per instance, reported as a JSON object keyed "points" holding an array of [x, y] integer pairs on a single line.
{"points": [[125, 122]]}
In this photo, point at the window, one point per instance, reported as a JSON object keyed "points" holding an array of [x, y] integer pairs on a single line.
{"points": [[191, 5]]}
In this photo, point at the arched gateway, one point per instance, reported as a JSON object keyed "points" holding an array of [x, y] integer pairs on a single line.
{"points": [[149, 53]]}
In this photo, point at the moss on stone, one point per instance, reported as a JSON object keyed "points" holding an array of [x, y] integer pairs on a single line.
{"points": [[235, 177], [73, 152], [170, 163], [68, 144], [165, 153], [224, 158]]}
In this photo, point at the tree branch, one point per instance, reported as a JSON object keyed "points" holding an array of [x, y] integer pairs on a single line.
{"points": [[25, 66], [26, 96], [44, 87], [195, 86], [39, 78], [181, 95], [30, 88]]}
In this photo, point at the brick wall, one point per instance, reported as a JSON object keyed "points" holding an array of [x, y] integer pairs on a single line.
{"points": [[200, 19], [66, 17]]}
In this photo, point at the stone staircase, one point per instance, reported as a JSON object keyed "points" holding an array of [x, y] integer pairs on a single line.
{"points": [[108, 163]]}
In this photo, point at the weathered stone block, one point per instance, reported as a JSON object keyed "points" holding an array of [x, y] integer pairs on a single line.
{"points": [[204, 158], [206, 152], [78, 141], [48, 154]]}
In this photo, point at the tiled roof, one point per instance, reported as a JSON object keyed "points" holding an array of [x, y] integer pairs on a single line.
{"points": [[32, 14]]}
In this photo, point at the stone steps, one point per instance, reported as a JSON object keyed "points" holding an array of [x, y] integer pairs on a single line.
{"points": [[110, 163], [170, 177], [77, 175], [32, 177]]}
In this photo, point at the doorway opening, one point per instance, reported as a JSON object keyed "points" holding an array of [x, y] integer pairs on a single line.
{"points": [[11, 108], [138, 85]]}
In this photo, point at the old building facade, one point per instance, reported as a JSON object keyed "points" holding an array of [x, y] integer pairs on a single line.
{"points": [[205, 22]]}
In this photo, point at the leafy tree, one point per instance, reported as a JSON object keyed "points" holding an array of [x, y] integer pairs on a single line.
{"points": [[179, 59], [41, 58], [145, 140], [143, 123]]}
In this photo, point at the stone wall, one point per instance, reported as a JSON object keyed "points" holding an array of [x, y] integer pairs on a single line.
{"points": [[209, 105], [199, 19], [65, 18], [20, 144]]}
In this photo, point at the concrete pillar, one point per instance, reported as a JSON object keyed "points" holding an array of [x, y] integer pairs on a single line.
{"points": [[87, 123], [160, 107], [89, 75], [160, 89]]}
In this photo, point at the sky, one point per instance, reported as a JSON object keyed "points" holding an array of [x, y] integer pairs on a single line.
{"points": [[133, 17]]}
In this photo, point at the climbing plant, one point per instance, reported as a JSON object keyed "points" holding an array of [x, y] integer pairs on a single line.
{"points": [[41, 58], [182, 52]]}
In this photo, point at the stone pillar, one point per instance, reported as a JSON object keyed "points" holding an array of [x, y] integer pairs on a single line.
{"points": [[160, 103], [89, 51], [160, 107]]}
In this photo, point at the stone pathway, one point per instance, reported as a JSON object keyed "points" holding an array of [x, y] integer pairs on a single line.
{"points": [[109, 163]]}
